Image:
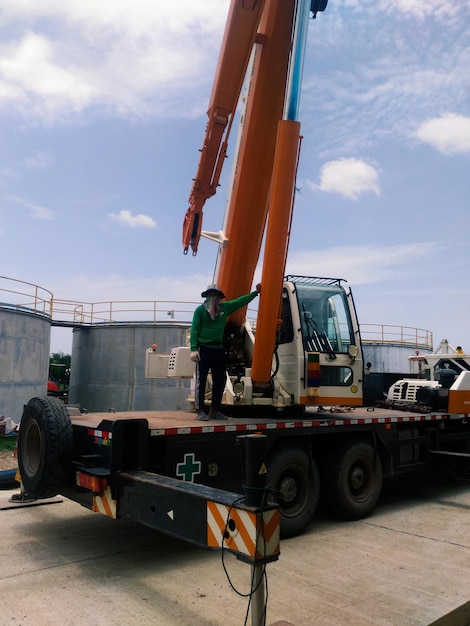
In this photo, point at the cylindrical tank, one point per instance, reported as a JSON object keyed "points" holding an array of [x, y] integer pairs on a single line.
{"points": [[24, 358], [108, 367], [387, 360]]}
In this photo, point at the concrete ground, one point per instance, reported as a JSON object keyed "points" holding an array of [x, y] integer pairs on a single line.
{"points": [[406, 565]]}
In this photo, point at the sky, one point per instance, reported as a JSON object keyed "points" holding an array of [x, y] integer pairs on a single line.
{"points": [[103, 111]]}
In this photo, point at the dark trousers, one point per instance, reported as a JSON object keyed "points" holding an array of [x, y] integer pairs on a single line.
{"points": [[213, 360]]}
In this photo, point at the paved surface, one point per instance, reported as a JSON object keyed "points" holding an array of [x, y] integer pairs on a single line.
{"points": [[407, 565]]}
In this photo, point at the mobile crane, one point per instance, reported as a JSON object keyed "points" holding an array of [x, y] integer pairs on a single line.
{"points": [[130, 464], [307, 349]]}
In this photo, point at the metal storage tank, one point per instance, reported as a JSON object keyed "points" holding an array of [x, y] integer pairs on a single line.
{"points": [[25, 333], [108, 367], [386, 351], [108, 364]]}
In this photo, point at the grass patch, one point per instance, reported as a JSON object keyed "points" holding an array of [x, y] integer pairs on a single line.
{"points": [[7, 443]]}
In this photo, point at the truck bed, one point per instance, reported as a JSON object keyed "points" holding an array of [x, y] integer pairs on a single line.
{"points": [[125, 463], [163, 423]]}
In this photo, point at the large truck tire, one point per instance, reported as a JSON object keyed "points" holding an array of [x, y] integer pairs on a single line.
{"points": [[295, 484], [353, 480], [45, 447]]}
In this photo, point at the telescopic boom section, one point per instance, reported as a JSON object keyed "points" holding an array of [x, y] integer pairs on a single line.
{"points": [[247, 209], [239, 37]]}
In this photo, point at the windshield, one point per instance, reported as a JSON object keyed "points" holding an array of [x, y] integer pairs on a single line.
{"points": [[324, 318]]}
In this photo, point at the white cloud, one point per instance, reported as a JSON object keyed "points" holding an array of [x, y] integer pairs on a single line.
{"points": [[128, 58], [375, 84], [38, 212], [362, 264], [7, 173], [449, 133], [421, 9], [39, 161], [348, 177], [31, 67], [126, 17], [126, 217]]}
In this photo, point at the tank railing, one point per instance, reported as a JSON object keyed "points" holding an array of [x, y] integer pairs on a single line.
{"points": [[401, 335], [121, 311], [21, 295], [126, 311]]}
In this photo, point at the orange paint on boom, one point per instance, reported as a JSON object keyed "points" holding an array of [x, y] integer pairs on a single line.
{"points": [[277, 240], [248, 207]]}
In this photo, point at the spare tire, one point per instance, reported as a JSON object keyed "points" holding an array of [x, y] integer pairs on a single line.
{"points": [[45, 447]]}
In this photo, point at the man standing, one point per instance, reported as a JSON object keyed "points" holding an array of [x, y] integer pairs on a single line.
{"points": [[207, 349]]}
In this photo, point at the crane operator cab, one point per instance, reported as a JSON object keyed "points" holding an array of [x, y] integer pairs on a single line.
{"points": [[318, 350], [317, 358]]}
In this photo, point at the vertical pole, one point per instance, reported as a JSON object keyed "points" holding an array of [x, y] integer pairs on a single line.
{"points": [[258, 602], [255, 483]]}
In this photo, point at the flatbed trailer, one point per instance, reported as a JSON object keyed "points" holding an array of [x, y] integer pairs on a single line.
{"points": [[113, 462]]}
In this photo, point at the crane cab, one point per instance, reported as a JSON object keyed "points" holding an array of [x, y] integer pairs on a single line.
{"points": [[317, 359], [318, 354]]}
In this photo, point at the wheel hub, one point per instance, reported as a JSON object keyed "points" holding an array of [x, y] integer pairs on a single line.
{"points": [[357, 478], [288, 489], [32, 457]]}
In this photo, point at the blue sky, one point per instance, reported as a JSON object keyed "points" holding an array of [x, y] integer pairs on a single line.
{"points": [[102, 114]]}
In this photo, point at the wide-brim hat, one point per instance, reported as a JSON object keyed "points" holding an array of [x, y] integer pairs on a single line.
{"points": [[214, 289]]}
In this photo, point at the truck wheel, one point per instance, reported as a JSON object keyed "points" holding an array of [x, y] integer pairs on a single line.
{"points": [[45, 447], [295, 484], [353, 480]]}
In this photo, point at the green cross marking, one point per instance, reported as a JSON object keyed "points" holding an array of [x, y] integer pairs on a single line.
{"points": [[189, 468]]}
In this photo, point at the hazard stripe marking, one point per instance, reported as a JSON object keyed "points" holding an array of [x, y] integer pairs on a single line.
{"points": [[255, 535], [99, 433], [270, 541], [240, 537], [345, 421], [217, 522], [104, 504]]}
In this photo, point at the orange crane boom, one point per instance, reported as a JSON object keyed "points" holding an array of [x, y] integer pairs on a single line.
{"points": [[237, 44], [265, 166]]}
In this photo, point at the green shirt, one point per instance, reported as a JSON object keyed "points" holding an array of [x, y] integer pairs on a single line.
{"points": [[207, 331]]}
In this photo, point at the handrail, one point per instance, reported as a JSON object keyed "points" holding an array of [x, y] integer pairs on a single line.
{"points": [[397, 335], [28, 296], [37, 300], [119, 311]]}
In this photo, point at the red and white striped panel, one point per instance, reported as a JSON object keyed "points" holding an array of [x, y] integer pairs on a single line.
{"points": [[318, 423]]}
